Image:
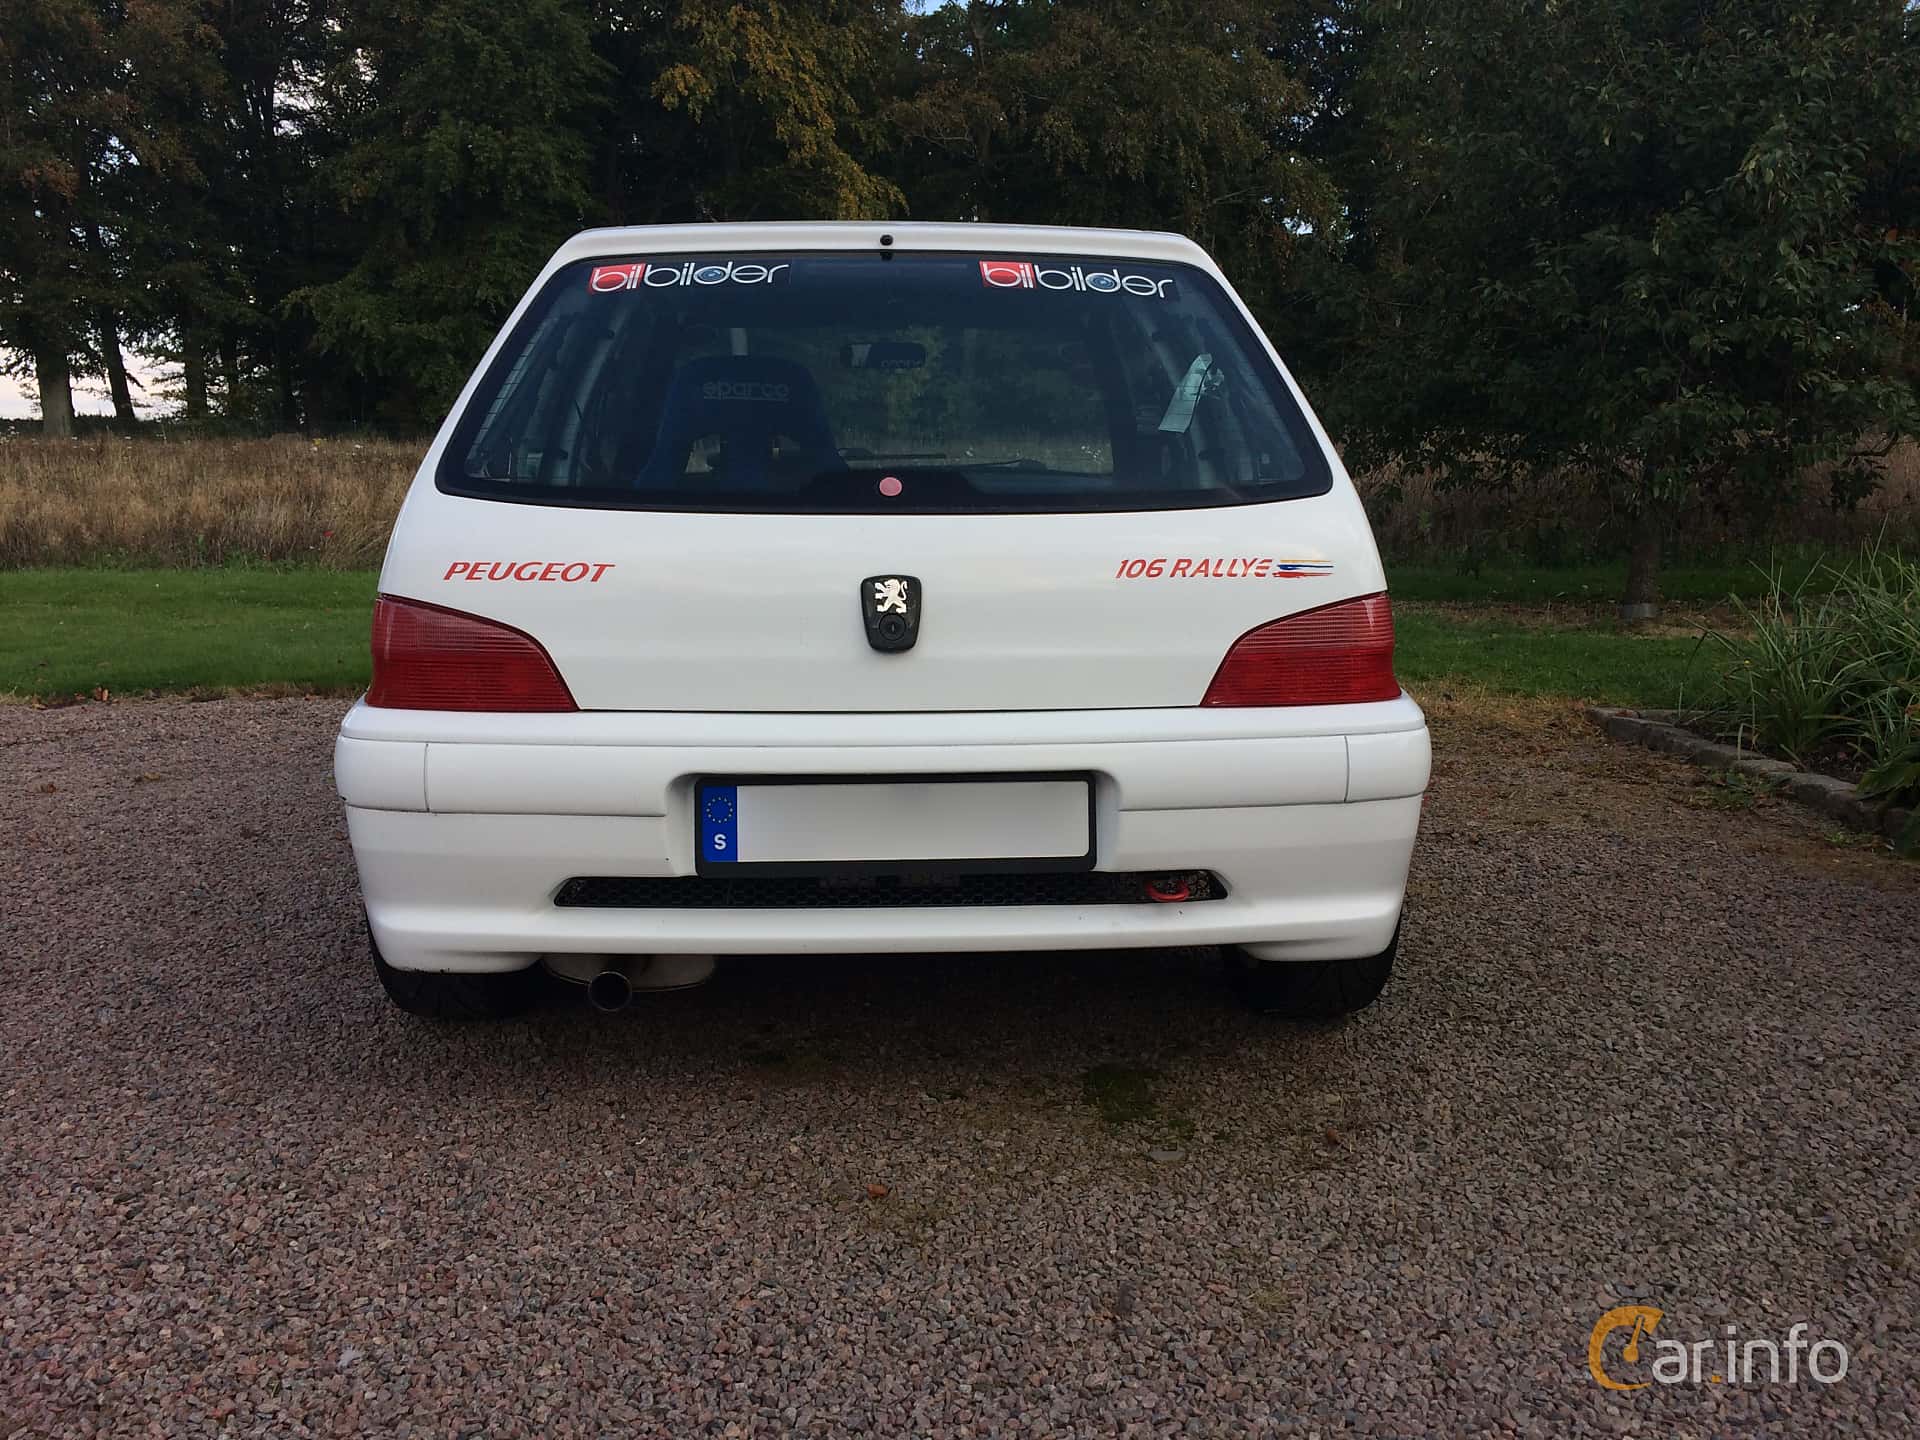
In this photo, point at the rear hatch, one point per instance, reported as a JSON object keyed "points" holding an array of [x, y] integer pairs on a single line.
{"points": [[870, 482]]}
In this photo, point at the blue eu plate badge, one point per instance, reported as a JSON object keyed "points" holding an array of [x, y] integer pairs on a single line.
{"points": [[719, 822]]}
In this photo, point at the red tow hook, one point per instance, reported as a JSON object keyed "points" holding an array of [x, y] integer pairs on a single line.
{"points": [[1169, 890]]}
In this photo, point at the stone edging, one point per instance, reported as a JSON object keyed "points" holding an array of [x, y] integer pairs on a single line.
{"points": [[1656, 730]]}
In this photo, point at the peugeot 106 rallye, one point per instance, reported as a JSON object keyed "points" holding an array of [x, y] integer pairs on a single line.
{"points": [[816, 588]]}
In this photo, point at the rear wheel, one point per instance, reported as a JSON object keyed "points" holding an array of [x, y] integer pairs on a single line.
{"points": [[1313, 989], [442, 995]]}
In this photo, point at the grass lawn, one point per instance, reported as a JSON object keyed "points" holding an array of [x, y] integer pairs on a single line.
{"points": [[1510, 656], [69, 631], [66, 632]]}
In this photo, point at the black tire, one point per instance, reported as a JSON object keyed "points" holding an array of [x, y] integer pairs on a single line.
{"points": [[1314, 989], [441, 995]]}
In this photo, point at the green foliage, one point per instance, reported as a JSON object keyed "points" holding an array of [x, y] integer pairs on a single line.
{"points": [[1792, 665], [1831, 665], [467, 164], [1896, 779], [1168, 114], [1674, 243], [768, 97]]}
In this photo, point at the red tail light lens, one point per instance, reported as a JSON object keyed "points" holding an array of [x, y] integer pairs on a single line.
{"points": [[1337, 655], [427, 658]]}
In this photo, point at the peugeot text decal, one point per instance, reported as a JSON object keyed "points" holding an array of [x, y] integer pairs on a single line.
{"points": [[567, 572]]}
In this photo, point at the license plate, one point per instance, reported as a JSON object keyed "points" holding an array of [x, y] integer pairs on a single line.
{"points": [[1028, 822]]}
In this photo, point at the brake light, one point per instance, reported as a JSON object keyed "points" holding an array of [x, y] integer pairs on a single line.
{"points": [[1340, 654], [429, 658]]}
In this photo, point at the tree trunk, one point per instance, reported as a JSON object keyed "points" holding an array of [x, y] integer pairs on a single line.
{"points": [[193, 373], [289, 394], [116, 363], [56, 393], [230, 367], [1642, 600]]}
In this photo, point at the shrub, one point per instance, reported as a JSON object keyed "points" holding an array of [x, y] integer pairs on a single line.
{"points": [[1832, 664]]}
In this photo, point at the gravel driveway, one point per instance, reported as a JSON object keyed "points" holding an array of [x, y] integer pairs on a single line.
{"points": [[1641, 1049]]}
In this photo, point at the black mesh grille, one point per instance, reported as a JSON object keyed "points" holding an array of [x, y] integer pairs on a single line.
{"points": [[709, 892]]}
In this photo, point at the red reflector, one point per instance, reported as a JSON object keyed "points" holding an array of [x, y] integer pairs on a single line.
{"points": [[427, 658], [1337, 655]]}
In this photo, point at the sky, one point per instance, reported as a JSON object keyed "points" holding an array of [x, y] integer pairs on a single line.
{"points": [[19, 400], [13, 405]]}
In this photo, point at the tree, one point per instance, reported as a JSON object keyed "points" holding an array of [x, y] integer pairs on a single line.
{"points": [[54, 62], [255, 224], [1154, 114], [1327, 43], [464, 162], [87, 132], [1629, 235], [751, 109]]}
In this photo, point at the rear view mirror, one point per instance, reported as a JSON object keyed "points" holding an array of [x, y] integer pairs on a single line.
{"points": [[884, 355]]}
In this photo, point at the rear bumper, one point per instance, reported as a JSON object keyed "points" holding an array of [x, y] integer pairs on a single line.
{"points": [[465, 827]]}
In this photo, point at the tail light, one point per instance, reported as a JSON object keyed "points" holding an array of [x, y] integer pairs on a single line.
{"points": [[1337, 655], [427, 658]]}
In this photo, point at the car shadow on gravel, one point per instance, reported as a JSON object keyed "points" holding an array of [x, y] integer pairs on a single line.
{"points": [[1115, 1068], [807, 1013], [1026, 1030]]}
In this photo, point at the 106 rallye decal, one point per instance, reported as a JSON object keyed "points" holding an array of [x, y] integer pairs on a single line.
{"points": [[1220, 567]]}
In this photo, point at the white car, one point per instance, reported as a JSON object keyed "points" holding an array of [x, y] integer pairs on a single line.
{"points": [[819, 588]]}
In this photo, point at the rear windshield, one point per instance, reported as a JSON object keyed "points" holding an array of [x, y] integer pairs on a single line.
{"points": [[882, 382]]}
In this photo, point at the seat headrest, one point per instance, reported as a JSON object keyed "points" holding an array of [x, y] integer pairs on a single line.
{"points": [[743, 391], [749, 401]]}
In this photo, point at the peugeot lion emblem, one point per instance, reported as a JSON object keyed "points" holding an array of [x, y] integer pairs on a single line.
{"points": [[890, 606]]}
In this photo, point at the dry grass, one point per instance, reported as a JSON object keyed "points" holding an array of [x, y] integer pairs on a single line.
{"points": [[1559, 519], [190, 502], [107, 500]]}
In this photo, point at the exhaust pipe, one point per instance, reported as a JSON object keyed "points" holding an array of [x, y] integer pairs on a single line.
{"points": [[611, 981], [610, 990]]}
